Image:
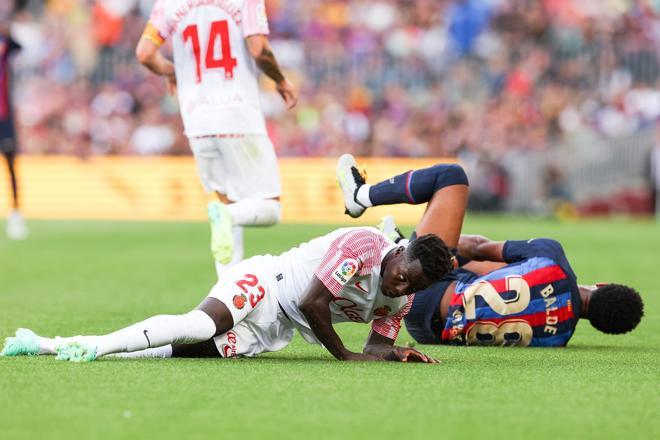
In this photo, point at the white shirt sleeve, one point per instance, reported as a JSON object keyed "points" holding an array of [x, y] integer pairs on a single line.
{"points": [[255, 20]]}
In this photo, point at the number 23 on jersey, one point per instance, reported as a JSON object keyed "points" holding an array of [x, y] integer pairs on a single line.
{"points": [[251, 287]]}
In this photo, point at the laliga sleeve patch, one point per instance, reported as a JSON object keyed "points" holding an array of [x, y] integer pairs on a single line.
{"points": [[345, 271]]}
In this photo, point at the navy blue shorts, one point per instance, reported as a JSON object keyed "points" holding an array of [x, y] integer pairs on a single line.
{"points": [[423, 322], [7, 136]]}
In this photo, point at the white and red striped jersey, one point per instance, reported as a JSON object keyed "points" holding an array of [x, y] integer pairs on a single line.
{"points": [[348, 262], [216, 76]]}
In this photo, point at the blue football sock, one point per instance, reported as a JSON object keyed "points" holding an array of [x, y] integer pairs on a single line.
{"points": [[417, 186]]}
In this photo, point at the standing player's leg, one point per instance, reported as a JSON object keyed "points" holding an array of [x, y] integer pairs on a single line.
{"points": [[11, 161], [212, 174], [444, 187], [16, 227], [244, 174]]}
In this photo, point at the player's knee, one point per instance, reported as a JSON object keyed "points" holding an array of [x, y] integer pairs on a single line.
{"points": [[449, 175], [278, 211], [272, 212]]}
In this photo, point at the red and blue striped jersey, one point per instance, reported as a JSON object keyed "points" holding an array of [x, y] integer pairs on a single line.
{"points": [[7, 46], [533, 301]]}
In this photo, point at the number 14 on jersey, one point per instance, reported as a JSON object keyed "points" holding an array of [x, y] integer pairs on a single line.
{"points": [[218, 38]]}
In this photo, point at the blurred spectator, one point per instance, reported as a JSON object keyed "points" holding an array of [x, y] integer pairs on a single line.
{"points": [[378, 77], [557, 192], [489, 184]]}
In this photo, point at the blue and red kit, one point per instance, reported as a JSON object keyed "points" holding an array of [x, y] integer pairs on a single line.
{"points": [[7, 47], [533, 301]]}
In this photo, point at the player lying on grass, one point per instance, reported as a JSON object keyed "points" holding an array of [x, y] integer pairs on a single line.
{"points": [[533, 300], [351, 274], [527, 295], [354, 274]]}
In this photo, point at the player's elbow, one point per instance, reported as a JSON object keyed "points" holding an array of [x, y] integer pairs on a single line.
{"points": [[145, 52], [256, 45]]}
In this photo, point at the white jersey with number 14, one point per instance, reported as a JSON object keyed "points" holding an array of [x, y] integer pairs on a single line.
{"points": [[216, 76]]}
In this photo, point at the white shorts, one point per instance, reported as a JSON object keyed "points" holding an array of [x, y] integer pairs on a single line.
{"points": [[249, 290], [240, 167]]}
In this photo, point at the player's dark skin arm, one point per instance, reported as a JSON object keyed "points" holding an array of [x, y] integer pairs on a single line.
{"points": [[315, 306], [316, 309], [263, 55], [480, 248]]}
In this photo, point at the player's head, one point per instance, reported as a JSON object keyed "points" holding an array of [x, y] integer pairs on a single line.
{"points": [[615, 309], [426, 260]]}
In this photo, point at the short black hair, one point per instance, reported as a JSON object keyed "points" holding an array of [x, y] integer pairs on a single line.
{"points": [[615, 309], [433, 254]]}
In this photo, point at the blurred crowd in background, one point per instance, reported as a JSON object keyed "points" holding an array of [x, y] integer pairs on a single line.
{"points": [[473, 79], [378, 77]]}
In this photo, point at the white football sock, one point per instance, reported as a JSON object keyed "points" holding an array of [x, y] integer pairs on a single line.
{"points": [[237, 256], [362, 195], [255, 212], [49, 345], [163, 352], [195, 326]]}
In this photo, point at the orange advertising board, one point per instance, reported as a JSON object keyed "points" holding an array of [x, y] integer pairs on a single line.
{"points": [[167, 188]]}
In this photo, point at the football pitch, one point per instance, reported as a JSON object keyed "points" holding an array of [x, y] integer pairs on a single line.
{"points": [[95, 277]]}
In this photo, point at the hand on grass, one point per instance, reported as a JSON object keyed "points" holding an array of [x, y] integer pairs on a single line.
{"points": [[406, 354]]}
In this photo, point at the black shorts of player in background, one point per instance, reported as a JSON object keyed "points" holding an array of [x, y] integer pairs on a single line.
{"points": [[8, 147]]}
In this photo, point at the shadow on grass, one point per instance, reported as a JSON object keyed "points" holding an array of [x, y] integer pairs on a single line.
{"points": [[612, 348], [281, 358], [571, 348]]}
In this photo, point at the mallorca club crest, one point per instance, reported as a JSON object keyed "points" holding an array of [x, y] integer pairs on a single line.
{"points": [[382, 311], [345, 271], [239, 301]]}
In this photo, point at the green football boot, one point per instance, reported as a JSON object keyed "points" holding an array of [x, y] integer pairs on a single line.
{"points": [[76, 352], [26, 342], [388, 227], [222, 239]]}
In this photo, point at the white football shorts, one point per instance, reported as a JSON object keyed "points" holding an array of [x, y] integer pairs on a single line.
{"points": [[240, 167], [249, 290]]}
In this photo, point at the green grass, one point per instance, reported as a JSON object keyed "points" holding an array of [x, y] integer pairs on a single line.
{"points": [[89, 277]]}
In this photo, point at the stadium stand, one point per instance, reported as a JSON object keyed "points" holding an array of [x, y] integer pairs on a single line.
{"points": [[492, 82]]}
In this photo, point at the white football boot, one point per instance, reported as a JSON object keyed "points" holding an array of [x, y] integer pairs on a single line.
{"points": [[388, 227], [16, 227], [350, 180]]}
